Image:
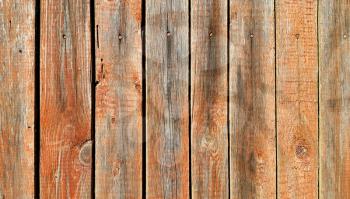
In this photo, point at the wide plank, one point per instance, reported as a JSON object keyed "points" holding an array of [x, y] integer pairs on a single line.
{"points": [[334, 59], [167, 105], [65, 99], [17, 46], [297, 93], [252, 99], [209, 96], [118, 99]]}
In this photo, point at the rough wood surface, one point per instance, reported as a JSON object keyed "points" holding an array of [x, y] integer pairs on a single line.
{"points": [[118, 99], [334, 51], [297, 126], [209, 93], [65, 99], [17, 32], [167, 112], [252, 99]]}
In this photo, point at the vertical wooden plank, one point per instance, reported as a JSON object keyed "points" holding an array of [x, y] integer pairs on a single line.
{"points": [[118, 99], [209, 94], [334, 48], [17, 32], [252, 99], [297, 114], [167, 106], [65, 99]]}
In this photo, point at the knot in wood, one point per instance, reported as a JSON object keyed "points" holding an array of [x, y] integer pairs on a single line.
{"points": [[301, 151], [209, 143], [85, 153]]}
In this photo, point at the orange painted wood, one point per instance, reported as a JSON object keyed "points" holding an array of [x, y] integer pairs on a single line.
{"points": [[252, 99], [334, 51], [65, 99], [209, 94], [167, 105], [118, 99], [17, 32], [297, 108]]}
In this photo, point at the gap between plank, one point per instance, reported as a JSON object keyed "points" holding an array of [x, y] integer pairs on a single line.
{"points": [[276, 137], [37, 102], [318, 104], [93, 95], [143, 35], [189, 101], [228, 99]]}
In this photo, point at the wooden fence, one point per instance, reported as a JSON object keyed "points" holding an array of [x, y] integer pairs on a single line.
{"points": [[175, 99]]}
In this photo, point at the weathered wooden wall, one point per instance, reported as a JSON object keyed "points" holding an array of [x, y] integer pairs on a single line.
{"points": [[175, 99]]}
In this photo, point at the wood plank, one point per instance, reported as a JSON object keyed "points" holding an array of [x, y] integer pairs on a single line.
{"points": [[297, 114], [252, 99], [209, 94], [167, 105], [17, 46], [334, 59], [65, 99], [118, 99]]}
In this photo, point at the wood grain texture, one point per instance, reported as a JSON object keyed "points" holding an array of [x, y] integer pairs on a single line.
{"points": [[252, 99], [118, 99], [17, 32], [334, 59], [297, 114], [65, 99], [167, 105], [209, 94]]}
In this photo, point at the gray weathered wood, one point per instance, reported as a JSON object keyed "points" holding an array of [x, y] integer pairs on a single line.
{"points": [[252, 99], [17, 32], [118, 99], [65, 99], [297, 114], [334, 59], [209, 93], [167, 114]]}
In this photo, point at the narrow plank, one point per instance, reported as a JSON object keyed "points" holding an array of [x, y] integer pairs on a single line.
{"points": [[17, 46], [252, 99], [297, 114], [167, 105], [118, 99], [209, 94], [65, 99], [334, 59]]}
